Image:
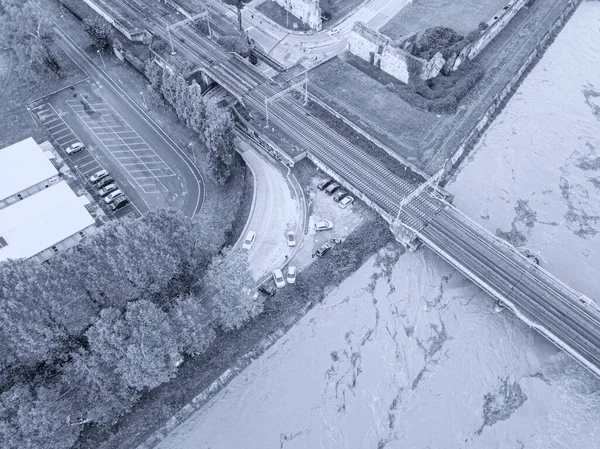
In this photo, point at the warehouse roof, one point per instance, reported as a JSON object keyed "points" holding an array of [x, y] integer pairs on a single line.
{"points": [[23, 165], [40, 221]]}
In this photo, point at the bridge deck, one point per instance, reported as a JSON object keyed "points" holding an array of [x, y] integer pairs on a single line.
{"points": [[535, 295]]}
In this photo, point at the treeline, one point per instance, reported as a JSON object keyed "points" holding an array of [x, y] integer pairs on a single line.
{"points": [[82, 338], [213, 123], [24, 30]]}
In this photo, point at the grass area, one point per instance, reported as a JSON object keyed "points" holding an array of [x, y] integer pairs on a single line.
{"points": [[462, 16], [16, 91], [366, 99], [281, 16]]}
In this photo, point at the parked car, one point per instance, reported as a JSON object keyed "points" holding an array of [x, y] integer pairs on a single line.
{"points": [[111, 196], [291, 275], [119, 203], [249, 240], [323, 225], [104, 182], [98, 176], [74, 148], [278, 278], [324, 183], [268, 288], [291, 238], [339, 195], [324, 249], [107, 189], [346, 201], [331, 188]]}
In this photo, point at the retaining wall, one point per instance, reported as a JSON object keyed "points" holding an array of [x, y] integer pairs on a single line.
{"points": [[502, 97]]}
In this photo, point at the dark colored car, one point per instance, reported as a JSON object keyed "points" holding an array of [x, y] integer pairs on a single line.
{"points": [[331, 188], [323, 184], [268, 288], [119, 202], [324, 249], [104, 182], [339, 195]]}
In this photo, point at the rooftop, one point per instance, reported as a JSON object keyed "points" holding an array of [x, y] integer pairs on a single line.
{"points": [[42, 220], [22, 165]]}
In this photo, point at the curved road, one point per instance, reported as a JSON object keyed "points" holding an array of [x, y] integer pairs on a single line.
{"points": [[157, 139], [276, 209]]}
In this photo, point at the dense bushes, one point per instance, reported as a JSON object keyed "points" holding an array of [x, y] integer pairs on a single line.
{"points": [[442, 94], [83, 337]]}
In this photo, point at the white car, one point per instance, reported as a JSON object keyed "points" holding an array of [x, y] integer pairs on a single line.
{"points": [[111, 196], [74, 148], [278, 278], [98, 176], [291, 275], [291, 238], [346, 201], [323, 225], [107, 189], [249, 240]]}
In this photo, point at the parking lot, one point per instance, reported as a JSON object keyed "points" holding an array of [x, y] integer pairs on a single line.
{"points": [[84, 162], [128, 148]]}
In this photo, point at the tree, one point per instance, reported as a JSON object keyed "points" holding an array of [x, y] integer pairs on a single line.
{"points": [[140, 343], [154, 73], [33, 417], [100, 30], [25, 30], [197, 118], [219, 138], [228, 284], [193, 323]]}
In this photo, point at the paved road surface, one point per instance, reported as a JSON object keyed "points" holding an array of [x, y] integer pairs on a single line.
{"points": [[276, 210], [190, 183]]}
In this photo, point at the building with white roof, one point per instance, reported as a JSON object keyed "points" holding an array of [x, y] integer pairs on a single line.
{"points": [[40, 215], [24, 170]]}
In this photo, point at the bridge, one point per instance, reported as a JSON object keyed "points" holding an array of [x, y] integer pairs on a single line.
{"points": [[567, 318]]}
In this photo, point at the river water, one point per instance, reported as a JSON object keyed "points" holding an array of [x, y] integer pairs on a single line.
{"points": [[407, 353]]}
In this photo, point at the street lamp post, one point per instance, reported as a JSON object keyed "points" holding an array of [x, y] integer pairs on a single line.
{"points": [[144, 100], [101, 58]]}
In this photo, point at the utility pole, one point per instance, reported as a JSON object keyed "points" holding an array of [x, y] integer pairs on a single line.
{"points": [[208, 23], [239, 11]]}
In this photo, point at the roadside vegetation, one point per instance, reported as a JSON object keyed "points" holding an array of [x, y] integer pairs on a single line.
{"points": [[85, 336], [213, 123], [33, 65], [443, 93]]}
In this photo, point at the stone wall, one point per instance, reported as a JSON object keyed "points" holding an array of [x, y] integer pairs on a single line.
{"points": [[502, 98], [309, 11], [385, 54], [494, 26]]}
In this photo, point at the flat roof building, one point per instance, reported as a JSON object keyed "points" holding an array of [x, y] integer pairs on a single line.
{"points": [[23, 166], [39, 214]]}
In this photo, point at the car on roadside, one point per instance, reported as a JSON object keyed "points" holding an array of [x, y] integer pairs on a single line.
{"points": [[346, 201], [104, 182], [278, 278], [98, 176], [323, 184], [112, 196], [107, 189], [323, 249], [339, 195], [74, 148], [291, 238], [291, 275], [249, 240], [119, 203], [331, 188], [268, 288], [323, 225]]}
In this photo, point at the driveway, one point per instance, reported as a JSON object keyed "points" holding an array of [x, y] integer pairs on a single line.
{"points": [[277, 208]]}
